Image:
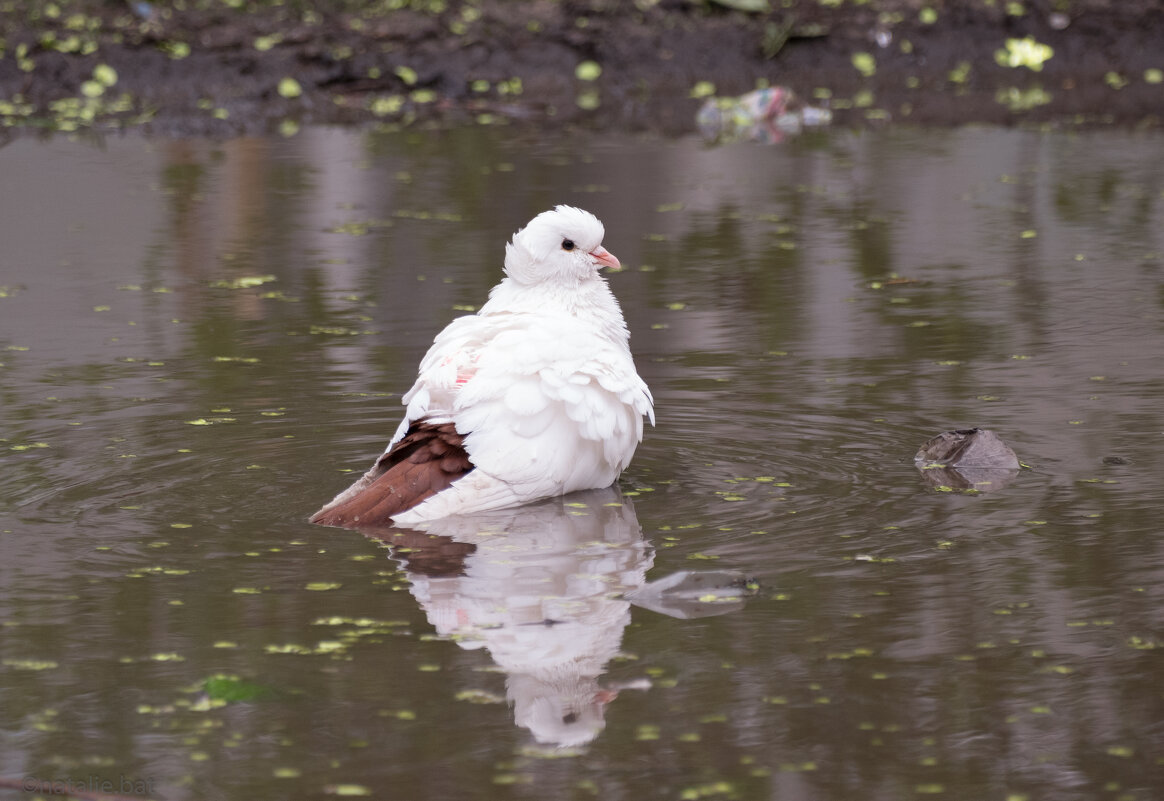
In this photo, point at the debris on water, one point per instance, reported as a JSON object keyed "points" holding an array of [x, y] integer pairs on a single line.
{"points": [[641, 683], [972, 447], [764, 115], [758, 6], [692, 593], [231, 689], [1024, 53], [973, 458], [143, 9]]}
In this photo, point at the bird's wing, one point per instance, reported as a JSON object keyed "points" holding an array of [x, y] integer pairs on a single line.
{"points": [[445, 368], [551, 403]]}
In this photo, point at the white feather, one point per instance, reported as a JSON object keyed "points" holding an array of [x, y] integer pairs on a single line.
{"points": [[525, 397]]}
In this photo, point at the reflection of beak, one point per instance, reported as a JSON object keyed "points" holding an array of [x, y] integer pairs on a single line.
{"points": [[604, 256], [604, 697]]}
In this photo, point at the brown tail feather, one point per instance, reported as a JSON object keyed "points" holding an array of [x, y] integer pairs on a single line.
{"points": [[429, 458]]}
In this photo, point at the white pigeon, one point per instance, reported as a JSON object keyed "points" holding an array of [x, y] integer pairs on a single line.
{"points": [[535, 395]]}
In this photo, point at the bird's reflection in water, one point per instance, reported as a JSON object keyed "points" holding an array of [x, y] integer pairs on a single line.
{"points": [[540, 587]]}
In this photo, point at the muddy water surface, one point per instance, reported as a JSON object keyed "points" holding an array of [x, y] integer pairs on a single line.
{"points": [[199, 341]]}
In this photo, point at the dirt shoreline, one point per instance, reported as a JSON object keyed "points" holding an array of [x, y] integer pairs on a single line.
{"points": [[203, 67]]}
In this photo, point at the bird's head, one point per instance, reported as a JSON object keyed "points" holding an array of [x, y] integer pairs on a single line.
{"points": [[563, 245]]}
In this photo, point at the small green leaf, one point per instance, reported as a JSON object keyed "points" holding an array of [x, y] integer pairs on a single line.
{"points": [[865, 64], [1024, 53], [105, 75], [588, 71], [703, 89], [175, 50], [29, 664], [290, 88], [232, 689]]}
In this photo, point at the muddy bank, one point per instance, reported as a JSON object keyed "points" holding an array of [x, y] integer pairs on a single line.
{"points": [[223, 67]]}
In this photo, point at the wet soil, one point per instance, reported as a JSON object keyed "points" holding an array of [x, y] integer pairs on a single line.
{"points": [[223, 67]]}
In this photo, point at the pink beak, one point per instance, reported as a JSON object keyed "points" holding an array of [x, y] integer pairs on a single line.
{"points": [[604, 256]]}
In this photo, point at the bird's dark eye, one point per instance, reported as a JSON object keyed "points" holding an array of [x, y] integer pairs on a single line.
{"points": [[567, 244]]}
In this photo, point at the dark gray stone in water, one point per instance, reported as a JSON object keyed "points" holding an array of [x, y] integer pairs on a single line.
{"points": [[690, 594], [973, 458], [972, 447]]}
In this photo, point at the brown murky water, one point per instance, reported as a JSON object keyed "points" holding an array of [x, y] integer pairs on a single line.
{"points": [[198, 338]]}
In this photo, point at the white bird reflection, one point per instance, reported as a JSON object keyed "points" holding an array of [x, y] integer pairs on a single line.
{"points": [[541, 588]]}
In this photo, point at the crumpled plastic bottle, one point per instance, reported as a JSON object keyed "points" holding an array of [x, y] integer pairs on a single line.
{"points": [[764, 115]]}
